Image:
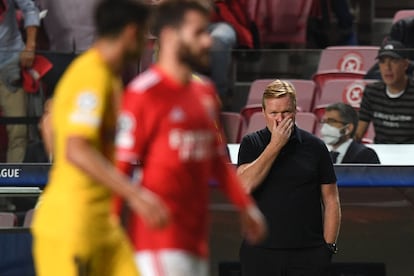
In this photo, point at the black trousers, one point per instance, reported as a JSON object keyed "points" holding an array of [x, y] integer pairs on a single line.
{"points": [[258, 261]]}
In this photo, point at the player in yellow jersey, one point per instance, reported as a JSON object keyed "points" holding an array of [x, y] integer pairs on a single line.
{"points": [[74, 232]]}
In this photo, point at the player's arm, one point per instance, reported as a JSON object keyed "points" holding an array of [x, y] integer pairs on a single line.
{"points": [[332, 212], [253, 222], [81, 153]]}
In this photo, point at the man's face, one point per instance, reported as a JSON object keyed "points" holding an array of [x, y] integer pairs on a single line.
{"points": [[392, 70], [333, 118], [277, 109], [195, 41]]}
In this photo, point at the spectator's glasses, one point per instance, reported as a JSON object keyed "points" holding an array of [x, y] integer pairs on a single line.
{"points": [[331, 121]]}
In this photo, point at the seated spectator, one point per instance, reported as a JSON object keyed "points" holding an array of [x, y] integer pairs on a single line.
{"points": [[401, 31], [339, 125], [389, 103], [230, 28]]}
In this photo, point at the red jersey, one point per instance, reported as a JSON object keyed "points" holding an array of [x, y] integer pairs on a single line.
{"points": [[171, 130]]}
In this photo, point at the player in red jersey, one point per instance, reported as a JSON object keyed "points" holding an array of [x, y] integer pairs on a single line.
{"points": [[168, 125]]}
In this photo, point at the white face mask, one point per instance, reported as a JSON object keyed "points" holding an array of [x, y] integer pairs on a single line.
{"points": [[330, 134]]}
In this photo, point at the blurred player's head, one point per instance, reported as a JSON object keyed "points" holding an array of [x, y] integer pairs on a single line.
{"points": [[182, 25], [125, 21], [278, 102]]}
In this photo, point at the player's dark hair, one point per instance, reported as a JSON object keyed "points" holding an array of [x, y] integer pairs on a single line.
{"points": [[111, 16], [171, 13]]}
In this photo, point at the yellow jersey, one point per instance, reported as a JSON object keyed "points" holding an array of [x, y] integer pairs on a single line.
{"points": [[85, 104]]}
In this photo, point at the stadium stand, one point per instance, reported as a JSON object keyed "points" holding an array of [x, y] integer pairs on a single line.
{"points": [[344, 62], [304, 120], [280, 21], [340, 90], [402, 14], [232, 125], [7, 219], [28, 218], [305, 92]]}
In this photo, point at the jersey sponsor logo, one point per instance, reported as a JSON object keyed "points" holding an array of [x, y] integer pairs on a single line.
{"points": [[10, 173], [350, 62], [125, 129], [84, 112], [177, 114], [352, 94], [192, 145]]}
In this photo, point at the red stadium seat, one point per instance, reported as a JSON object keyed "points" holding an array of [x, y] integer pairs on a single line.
{"points": [[305, 120], [344, 62], [347, 58], [7, 219], [256, 122], [28, 218], [305, 92], [340, 90], [232, 126], [402, 14]]}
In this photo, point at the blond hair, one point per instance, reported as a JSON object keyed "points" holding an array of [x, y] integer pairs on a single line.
{"points": [[278, 89]]}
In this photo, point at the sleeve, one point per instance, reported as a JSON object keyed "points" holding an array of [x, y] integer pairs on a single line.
{"points": [[30, 12], [87, 105], [326, 169], [365, 111], [247, 152], [132, 130]]}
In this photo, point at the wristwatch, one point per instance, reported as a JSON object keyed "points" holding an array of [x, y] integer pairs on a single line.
{"points": [[332, 247]]}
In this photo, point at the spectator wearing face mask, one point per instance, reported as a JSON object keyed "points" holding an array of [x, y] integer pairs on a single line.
{"points": [[338, 128]]}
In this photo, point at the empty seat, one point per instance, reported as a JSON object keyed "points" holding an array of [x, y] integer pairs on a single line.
{"points": [[232, 124], [28, 218], [349, 91], [306, 121], [347, 58], [344, 62], [305, 92], [402, 14], [7, 219]]}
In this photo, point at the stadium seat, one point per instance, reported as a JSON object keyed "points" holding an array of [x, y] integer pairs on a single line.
{"points": [[7, 219], [348, 91], [402, 14], [305, 91], [256, 122], [305, 120], [347, 58], [28, 218], [232, 126], [340, 90], [344, 62]]}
